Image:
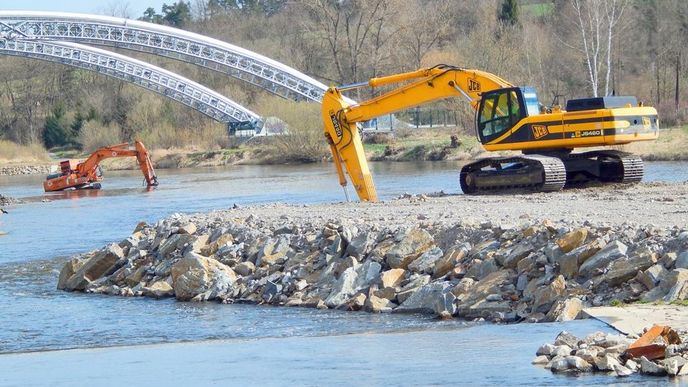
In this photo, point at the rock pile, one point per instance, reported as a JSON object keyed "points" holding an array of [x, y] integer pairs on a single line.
{"points": [[7, 200], [534, 271], [25, 170], [603, 352]]}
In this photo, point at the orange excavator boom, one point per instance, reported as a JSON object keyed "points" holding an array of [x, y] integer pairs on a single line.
{"points": [[86, 174]]}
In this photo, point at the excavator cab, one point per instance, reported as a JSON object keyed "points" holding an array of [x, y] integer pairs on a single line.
{"points": [[501, 109]]}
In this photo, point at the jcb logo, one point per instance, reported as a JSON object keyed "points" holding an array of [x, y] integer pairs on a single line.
{"points": [[647, 124], [539, 131], [473, 85]]}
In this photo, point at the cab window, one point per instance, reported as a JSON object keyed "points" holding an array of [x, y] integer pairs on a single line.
{"points": [[499, 111]]}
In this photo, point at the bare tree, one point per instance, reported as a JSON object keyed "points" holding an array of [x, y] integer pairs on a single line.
{"points": [[596, 23]]}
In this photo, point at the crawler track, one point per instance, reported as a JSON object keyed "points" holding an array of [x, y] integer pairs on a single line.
{"points": [[546, 173]]}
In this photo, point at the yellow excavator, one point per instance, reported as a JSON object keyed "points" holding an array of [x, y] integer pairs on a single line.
{"points": [[507, 118]]}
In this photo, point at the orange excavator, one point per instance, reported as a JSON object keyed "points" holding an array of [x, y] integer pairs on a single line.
{"points": [[88, 174]]}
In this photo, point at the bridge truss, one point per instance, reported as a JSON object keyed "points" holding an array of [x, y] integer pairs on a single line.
{"points": [[214, 54], [146, 75]]}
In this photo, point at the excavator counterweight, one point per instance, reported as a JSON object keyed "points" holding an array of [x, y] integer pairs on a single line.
{"points": [[508, 118], [87, 174]]}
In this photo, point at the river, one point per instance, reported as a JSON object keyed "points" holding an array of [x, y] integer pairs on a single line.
{"points": [[50, 227]]}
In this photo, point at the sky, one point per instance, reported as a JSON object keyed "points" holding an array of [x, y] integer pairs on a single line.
{"points": [[134, 8]]}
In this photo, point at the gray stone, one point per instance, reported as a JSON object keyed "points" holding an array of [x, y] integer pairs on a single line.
{"points": [[545, 349], [274, 251], [159, 289], [622, 371], [682, 261], [271, 292], [481, 270], [425, 264], [606, 363], [559, 364], [651, 277], [361, 244], [540, 360], [650, 368], [245, 268], [545, 297], [570, 262], [622, 270], [424, 300], [677, 283], [94, 268], [515, 255], [612, 251], [565, 310], [409, 245], [351, 281], [199, 278], [561, 350], [579, 364], [445, 304], [448, 262], [566, 338], [673, 364], [169, 246]]}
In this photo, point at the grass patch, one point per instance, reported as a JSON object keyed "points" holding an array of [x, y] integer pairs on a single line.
{"points": [[670, 146], [13, 153], [680, 302], [616, 302]]}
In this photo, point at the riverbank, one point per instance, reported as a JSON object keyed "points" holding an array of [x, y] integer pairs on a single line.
{"points": [[539, 257], [434, 144]]}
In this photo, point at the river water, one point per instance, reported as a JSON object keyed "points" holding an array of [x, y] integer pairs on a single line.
{"points": [[50, 227]]}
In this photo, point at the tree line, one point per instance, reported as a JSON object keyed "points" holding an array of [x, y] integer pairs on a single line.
{"points": [[565, 48]]}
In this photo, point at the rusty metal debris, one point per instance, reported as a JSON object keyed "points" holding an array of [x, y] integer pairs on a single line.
{"points": [[653, 343]]}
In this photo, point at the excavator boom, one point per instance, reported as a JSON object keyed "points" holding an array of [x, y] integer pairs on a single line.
{"points": [[86, 174], [508, 118]]}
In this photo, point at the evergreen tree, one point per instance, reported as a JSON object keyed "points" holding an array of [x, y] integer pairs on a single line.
{"points": [[509, 12]]}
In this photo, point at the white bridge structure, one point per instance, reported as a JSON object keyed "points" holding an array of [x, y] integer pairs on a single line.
{"points": [[59, 37], [146, 75]]}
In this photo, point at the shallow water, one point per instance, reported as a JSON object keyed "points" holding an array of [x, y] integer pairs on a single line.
{"points": [[36, 317]]}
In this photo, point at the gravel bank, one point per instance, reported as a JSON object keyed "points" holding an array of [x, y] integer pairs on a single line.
{"points": [[25, 170], [512, 258]]}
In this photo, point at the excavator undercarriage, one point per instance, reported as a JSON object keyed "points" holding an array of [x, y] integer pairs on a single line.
{"points": [[549, 172]]}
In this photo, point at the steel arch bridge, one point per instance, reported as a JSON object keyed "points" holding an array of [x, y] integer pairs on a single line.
{"points": [[214, 54], [146, 75]]}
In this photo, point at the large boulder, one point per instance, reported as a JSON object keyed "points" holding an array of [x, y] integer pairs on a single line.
{"points": [[444, 265], [430, 297], [351, 281], [392, 278], [676, 285], [425, 264], [102, 262], [565, 310], [570, 262], [622, 270], [158, 289], [572, 239], [515, 255], [410, 244], [274, 251], [548, 295], [199, 278], [612, 251]]}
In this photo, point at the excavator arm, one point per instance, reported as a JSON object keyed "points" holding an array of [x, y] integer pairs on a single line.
{"points": [[425, 85]]}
